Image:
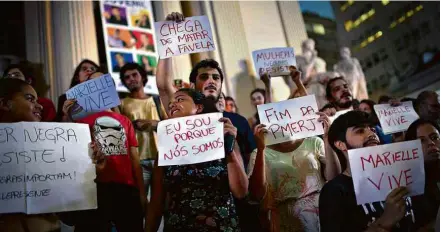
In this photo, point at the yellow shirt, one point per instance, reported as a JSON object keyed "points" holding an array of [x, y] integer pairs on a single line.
{"points": [[145, 109]]}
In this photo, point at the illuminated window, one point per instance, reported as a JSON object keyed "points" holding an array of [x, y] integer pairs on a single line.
{"points": [[409, 13], [319, 29], [401, 19], [363, 17], [385, 2], [418, 8], [371, 12], [378, 34], [370, 39], [348, 25]]}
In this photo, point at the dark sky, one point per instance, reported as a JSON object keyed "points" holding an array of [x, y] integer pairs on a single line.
{"points": [[323, 8]]}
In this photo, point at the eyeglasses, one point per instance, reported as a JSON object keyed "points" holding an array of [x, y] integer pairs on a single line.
{"points": [[15, 75], [85, 68]]}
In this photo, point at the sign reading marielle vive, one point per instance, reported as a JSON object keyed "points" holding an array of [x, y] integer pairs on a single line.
{"points": [[45, 168], [190, 140], [377, 170], [395, 118]]}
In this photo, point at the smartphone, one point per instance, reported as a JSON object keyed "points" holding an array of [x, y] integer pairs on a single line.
{"points": [[229, 142]]}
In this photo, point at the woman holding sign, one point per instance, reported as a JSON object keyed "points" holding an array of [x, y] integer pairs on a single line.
{"points": [[288, 177], [200, 196], [427, 205], [18, 103]]}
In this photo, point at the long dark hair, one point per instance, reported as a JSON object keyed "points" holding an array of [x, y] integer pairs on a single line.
{"points": [[372, 115], [75, 80], [411, 133], [9, 87]]}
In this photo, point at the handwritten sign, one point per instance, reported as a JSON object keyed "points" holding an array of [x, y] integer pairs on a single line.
{"points": [[377, 170], [275, 61], [291, 119], [93, 96], [190, 36], [190, 140], [395, 119], [337, 114], [45, 167]]}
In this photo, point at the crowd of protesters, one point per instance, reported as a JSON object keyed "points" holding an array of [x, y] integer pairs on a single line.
{"points": [[299, 185]]}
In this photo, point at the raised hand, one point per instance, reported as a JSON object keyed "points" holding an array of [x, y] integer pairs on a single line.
{"points": [[229, 128], [259, 136], [394, 209], [324, 119], [175, 16]]}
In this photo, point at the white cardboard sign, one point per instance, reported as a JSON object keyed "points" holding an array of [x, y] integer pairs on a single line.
{"points": [[93, 96], [45, 168], [291, 119], [377, 170], [337, 114], [190, 36], [190, 140], [395, 118], [275, 61]]}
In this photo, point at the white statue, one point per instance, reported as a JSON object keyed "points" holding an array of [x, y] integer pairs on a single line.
{"points": [[313, 70], [350, 68]]}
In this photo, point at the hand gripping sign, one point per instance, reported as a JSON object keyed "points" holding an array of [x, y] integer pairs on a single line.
{"points": [[190, 140]]}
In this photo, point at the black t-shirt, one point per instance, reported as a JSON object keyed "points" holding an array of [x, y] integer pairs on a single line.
{"points": [[339, 210]]}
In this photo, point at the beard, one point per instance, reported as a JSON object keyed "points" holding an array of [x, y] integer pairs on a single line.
{"points": [[344, 104]]}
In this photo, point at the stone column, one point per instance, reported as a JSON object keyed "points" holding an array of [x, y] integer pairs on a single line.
{"points": [[181, 64], [59, 35]]}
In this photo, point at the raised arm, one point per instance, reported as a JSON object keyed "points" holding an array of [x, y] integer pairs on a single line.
{"points": [[164, 80], [331, 161], [256, 166], [295, 77], [266, 79]]}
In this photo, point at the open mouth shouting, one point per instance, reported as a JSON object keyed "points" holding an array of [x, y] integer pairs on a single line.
{"points": [[37, 114]]}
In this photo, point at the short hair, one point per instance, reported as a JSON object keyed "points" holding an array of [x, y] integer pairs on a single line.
{"points": [[75, 80], [338, 128], [228, 98], [133, 66], [384, 98], [328, 86], [24, 68], [10, 86], [368, 102], [259, 90], [411, 133], [199, 98], [327, 106], [204, 64]]}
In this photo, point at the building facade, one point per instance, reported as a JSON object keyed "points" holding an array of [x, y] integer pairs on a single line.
{"points": [[324, 32], [59, 34], [397, 43]]}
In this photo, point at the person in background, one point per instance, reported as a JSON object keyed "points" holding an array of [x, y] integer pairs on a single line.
{"points": [[147, 67], [116, 17], [339, 94], [145, 112], [120, 62], [329, 109], [220, 105], [18, 103], [120, 186], [200, 195], [288, 178], [230, 105], [427, 205], [384, 99], [84, 69], [367, 106], [143, 21], [22, 71], [207, 77], [338, 206], [260, 96], [427, 106]]}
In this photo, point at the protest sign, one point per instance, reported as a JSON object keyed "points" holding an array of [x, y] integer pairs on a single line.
{"points": [[274, 61], [291, 119], [395, 118], [377, 170], [337, 114], [45, 167], [190, 36], [190, 140], [93, 96]]}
